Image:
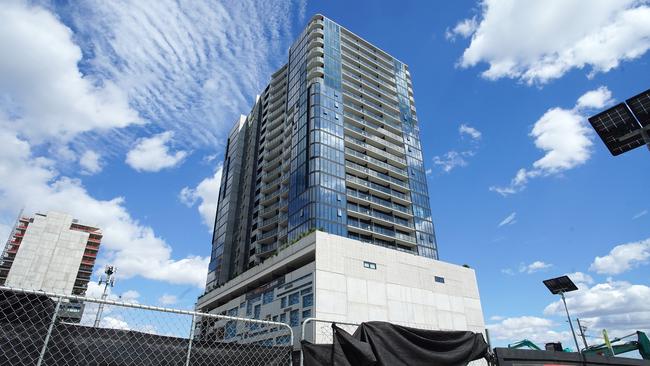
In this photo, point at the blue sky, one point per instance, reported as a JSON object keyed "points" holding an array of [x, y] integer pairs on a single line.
{"points": [[117, 112]]}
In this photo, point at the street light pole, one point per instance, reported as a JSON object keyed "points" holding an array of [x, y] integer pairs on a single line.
{"points": [[570, 322]]}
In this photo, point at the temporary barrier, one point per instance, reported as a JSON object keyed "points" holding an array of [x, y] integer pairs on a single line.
{"points": [[40, 328]]}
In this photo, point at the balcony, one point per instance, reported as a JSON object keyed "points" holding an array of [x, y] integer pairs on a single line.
{"points": [[361, 134], [377, 189], [377, 202], [353, 112], [376, 152], [368, 83], [376, 162], [382, 233], [361, 170], [386, 219]]}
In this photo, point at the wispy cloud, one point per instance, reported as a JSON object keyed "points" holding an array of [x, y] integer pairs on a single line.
{"points": [[152, 154], [509, 220], [188, 67], [640, 214], [453, 158]]}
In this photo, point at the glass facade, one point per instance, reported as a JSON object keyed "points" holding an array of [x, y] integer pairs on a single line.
{"points": [[332, 144]]}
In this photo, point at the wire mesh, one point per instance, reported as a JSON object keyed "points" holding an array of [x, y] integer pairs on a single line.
{"points": [[38, 328], [319, 331]]}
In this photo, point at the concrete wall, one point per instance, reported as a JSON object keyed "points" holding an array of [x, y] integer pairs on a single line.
{"points": [[49, 255], [402, 289]]}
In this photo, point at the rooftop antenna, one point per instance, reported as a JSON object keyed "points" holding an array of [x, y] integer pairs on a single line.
{"points": [[108, 279]]}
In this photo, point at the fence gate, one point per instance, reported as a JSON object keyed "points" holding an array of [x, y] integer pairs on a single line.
{"points": [[40, 328]]}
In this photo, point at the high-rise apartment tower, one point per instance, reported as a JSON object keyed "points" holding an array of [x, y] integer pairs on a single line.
{"points": [[332, 143], [323, 208]]}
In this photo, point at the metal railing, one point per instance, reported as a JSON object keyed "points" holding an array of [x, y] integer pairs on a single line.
{"points": [[45, 328], [319, 331]]}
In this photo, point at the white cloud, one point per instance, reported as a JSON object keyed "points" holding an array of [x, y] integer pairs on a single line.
{"points": [[565, 138], [508, 271], [580, 278], [536, 329], [472, 132], [451, 160], [131, 246], [454, 159], [539, 40], [152, 154], [44, 95], [90, 162], [595, 99], [623, 258], [465, 28], [167, 299], [536, 266], [509, 220], [618, 306], [640, 215], [208, 192]]}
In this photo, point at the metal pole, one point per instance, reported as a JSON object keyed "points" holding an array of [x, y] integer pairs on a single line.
{"points": [[49, 333], [570, 323], [582, 333], [189, 346], [98, 317]]}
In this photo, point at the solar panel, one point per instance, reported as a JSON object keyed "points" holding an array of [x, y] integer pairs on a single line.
{"points": [[640, 106], [616, 127], [560, 284]]}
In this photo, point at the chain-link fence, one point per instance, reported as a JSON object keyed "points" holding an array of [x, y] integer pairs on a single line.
{"points": [[319, 331], [39, 328]]}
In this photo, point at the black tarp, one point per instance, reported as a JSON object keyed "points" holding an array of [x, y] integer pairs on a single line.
{"points": [[386, 344], [25, 318]]}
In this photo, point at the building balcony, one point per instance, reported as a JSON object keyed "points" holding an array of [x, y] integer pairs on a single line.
{"points": [[378, 203], [375, 152], [375, 164], [373, 122], [362, 134], [384, 219], [366, 96], [350, 78], [316, 72], [381, 233], [381, 178], [366, 62], [377, 189]]}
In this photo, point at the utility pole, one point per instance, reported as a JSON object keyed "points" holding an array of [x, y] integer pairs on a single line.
{"points": [[109, 280], [583, 329]]}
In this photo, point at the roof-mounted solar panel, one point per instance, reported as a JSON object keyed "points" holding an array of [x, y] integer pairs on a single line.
{"points": [[640, 106], [618, 128]]}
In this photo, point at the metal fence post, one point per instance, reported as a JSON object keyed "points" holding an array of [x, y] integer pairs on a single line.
{"points": [[189, 346], [49, 333]]}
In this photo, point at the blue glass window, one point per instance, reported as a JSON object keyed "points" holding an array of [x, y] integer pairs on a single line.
{"points": [[268, 297], [294, 298], [306, 314], [294, 318], [307, 300], [258, 310], [283, 317], [283, 302]]}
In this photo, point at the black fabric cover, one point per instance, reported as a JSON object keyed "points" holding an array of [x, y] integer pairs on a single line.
{"points": [[386, 344]]}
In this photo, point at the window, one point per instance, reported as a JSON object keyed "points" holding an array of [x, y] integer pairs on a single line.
{"points": [[257, 311], [294, 319], [370, 265], [267, 297], [439, 279], [294, 298], [306, 314], [307, 300], [283, 317], [283, 302]]}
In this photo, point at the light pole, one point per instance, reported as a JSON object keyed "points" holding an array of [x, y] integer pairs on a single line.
{"points": [[582, 329], [558, 286], [109, 280]]}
